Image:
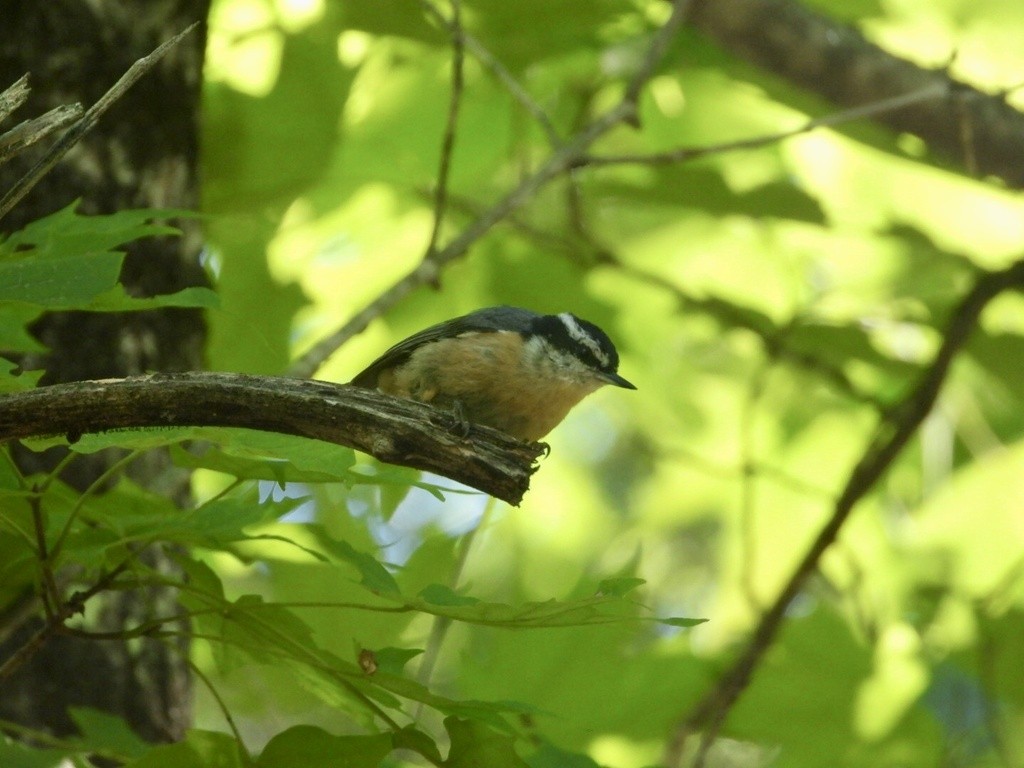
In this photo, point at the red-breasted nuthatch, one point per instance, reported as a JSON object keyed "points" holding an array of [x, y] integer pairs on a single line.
{"points": [[508, 368]]}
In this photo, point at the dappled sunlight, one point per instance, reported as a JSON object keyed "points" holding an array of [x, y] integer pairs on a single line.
{"points": [[797, 542]]}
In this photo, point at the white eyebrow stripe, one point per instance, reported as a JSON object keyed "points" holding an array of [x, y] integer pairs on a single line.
{"points": [[579, 334]]}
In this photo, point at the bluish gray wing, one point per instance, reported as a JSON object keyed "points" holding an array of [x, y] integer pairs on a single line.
{"points": [[481, 321]]}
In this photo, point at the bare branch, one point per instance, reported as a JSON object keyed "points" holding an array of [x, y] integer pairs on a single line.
{"points": [[29, 132], [448, 142], [394, 430], [660, 43], [13, 97], [683, 154], [488, 60], [72, 136], [890, 438], [55, 620]]}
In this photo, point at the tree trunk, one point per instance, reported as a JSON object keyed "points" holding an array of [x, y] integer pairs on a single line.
{"points": [[143, 153]]}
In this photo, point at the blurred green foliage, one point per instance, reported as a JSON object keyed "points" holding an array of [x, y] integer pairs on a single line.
{"points": [[771, 305]]}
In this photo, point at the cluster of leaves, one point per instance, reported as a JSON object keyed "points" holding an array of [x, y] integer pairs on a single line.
{"points": [[775, 305], [66, 262], [69, 546]]}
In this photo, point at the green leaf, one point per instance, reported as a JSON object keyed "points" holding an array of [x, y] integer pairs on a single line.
{"points": [[131, 439], [732, 315], [395, 483], [245, 453], [680, 622], [199, 749], [1000, 354], [107, 733], [440, 594], [705, 188], [255, 455], [311, 747], [15, 755], [603, 609], [391, 17], [393, 660], [13, 379], [128, 514], [841, 344], [66, 261], [14, 321], [10, 479], [66, 231], [550, 756], [778, 709], [117, 300], [475, 745], [374, 576], [201, 578], [64, 282], [620, 586], [392, 494], [250, 629], [416, 740], [558, 28], [297, 118]]}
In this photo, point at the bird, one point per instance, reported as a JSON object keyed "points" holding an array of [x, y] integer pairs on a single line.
{"points": [[509, 368]]}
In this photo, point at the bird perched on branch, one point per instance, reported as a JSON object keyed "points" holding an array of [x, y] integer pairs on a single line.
{"points": [[505, 367]]}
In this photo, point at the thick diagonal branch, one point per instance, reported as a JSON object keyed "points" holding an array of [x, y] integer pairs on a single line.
{"points": [[892, 436], [977, 130]]}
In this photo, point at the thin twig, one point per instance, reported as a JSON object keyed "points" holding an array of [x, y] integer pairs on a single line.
{"points": [[72, 136], [682, 154], [506, 78], [890, 438], [74, 604], [48, 592], [748, 487], [560, 160], [659, 46], [221, 704], [88, 493], [448, 142], [730, 471]]}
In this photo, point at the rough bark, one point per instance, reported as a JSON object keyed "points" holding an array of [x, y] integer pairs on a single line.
{"points": [[392, 429], [143, 153]]}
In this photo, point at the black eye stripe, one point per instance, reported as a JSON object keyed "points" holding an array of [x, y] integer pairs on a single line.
{"points": [[554, 328]]}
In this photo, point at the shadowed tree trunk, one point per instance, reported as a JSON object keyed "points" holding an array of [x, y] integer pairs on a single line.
{"points": [[143, 153]]}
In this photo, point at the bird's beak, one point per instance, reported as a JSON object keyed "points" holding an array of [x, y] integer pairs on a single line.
{"points": [[616, 380]]}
